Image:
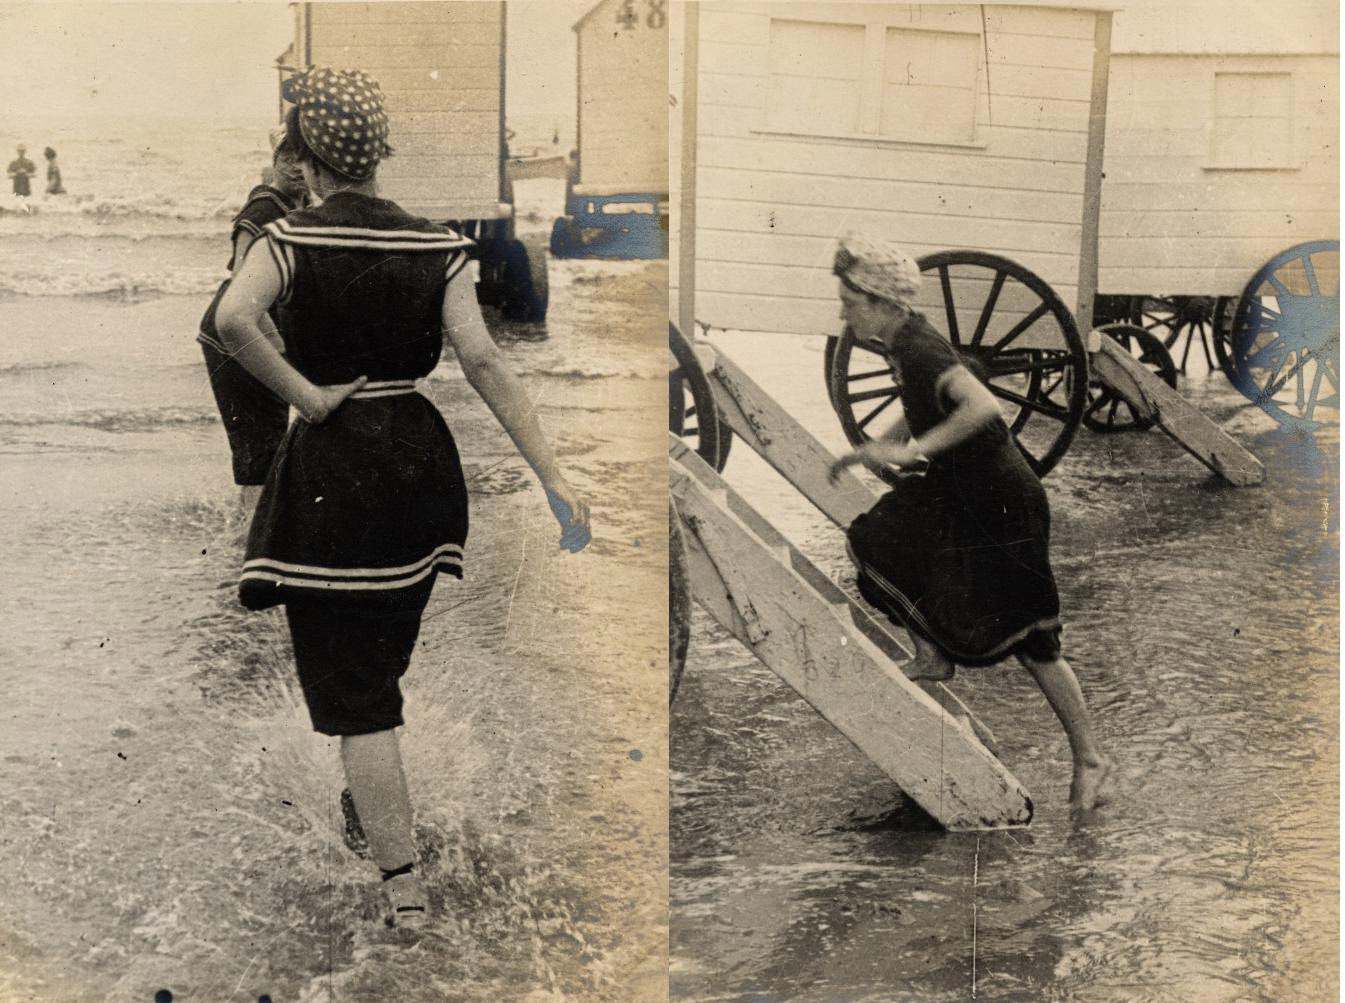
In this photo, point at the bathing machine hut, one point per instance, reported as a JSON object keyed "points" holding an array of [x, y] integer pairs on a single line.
{"points": [[1222, 152], [441, 68], [941, 126], [616, 202]]}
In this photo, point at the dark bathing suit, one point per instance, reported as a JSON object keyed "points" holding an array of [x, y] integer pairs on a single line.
{"points": [[360, 513], [960, 556], [22, 168], [254, 418]]}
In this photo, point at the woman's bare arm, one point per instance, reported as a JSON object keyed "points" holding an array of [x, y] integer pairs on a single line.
{"points": [[973, 408], [505, 395]]}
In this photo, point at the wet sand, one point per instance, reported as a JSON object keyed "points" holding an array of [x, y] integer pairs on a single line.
{"points": [[170, 820], [1202, 621]]}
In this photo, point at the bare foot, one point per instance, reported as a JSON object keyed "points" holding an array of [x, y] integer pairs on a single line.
{"points": [[922, 667], [1091, 785]]}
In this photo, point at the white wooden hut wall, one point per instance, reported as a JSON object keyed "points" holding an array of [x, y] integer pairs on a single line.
{"points": [[623, 75], [939, 126], [439, 65], [1222, 142]]}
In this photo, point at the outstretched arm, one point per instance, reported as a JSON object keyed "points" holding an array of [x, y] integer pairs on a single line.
{"points": [[239, 320], [504, 394], [973, 408]]}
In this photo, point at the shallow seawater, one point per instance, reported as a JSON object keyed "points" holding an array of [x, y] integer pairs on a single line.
{"points": [[170, 820], [1202, 622]]}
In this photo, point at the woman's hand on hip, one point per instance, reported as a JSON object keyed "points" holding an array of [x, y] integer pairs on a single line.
{"points": [[323, 401], [571, 511]]}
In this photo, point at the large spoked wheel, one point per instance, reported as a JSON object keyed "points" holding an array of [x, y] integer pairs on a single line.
{"points": [[1011, 330], [1286, 336], [691, 404], [1107, 410], [1180, 320]]}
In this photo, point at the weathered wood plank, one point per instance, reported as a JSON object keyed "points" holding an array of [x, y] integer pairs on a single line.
{"points": [[1180, 419], [769, 606], [885, 637]]}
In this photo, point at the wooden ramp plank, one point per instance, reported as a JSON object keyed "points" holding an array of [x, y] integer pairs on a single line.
{"points": [[1175, 415], [878, 630], [772, 432], [802, 635]]}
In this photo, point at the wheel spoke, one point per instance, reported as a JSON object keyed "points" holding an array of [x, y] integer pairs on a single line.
{"points": [[1099, 402], [1316, 386], [1270, 391], [1314, 289], [1268, 353], [948, 306], [1041, 310], [868, 395], [989, 308], [1264, 313], [1280, 289], [1050, 365], [1050, 410], [868, 376], [875, 412]]}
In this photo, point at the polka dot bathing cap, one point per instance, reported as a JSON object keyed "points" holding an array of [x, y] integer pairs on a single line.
{"points": [[877, 267], [341, 118]]}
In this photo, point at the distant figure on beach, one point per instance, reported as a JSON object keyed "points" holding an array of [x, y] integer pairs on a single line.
{"points": [[21, 169], [54, 186], [960, 555], [366, 502], [254, 418]]}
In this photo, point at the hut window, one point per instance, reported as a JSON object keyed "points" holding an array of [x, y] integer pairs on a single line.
{"points": [[872, 80], [815, 77], [929, 85], [1253, 121]]}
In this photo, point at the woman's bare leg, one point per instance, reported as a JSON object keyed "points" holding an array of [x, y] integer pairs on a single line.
{"points": [[377, 782], [1091, 765]]}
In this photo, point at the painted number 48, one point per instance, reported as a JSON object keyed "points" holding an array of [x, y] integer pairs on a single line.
{"points": [[629, 18]]}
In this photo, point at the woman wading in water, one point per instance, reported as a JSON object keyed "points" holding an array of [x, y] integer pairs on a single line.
{"points": [[960, 555], [365, 503], [254, 418]]}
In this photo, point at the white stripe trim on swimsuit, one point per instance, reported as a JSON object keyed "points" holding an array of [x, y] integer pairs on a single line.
{"points": [[442, 552], [385, 388], [351, 236], [1051, 623], [442, 564]]}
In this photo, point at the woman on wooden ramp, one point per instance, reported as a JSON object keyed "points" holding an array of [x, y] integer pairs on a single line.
{"points": [[365, 503], [960, 555]]}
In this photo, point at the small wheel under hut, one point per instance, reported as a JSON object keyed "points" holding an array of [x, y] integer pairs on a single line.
{"points": [[1286, 336], [1174, 318], [692, 413], [1011, 330], [1107, 410]]}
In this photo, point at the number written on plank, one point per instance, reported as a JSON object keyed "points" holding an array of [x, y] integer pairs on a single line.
{"points": [[656, 18], [626, 16]]}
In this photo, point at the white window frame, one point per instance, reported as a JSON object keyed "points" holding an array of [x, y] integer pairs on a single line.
{"points": [[1292, 160], [876, 22]]}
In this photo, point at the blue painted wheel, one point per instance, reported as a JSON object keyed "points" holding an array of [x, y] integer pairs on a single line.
{"points": [[1286, 336]]}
